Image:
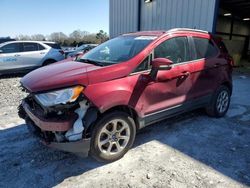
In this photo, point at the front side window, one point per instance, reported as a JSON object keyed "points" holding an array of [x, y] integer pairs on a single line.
{"points": [[175, 49], [30, 46], [144, 65], [118, 50], [11, 48], [204, 48]]}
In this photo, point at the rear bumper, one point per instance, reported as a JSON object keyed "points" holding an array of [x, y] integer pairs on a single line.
{"points": [[43, 128]]}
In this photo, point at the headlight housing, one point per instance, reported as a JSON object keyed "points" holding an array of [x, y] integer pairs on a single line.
{"points": [[62, 96]]}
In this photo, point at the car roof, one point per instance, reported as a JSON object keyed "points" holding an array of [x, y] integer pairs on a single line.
{"points": [[8, 42], [146, 33], [161, 32]]}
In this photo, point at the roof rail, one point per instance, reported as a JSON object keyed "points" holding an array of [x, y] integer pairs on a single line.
{"points": [[187, 29]]}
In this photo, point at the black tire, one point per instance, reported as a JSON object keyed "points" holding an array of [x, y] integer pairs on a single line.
{"points": [[48, 62], [212, 109], [97, 132]]}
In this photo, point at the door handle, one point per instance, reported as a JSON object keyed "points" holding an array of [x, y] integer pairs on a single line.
{"points": [[216, 65], [42, 52], [185, 73], [17, 55]]}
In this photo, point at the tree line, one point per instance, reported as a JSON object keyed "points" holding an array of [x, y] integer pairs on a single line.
{"points": [[75, 38]]}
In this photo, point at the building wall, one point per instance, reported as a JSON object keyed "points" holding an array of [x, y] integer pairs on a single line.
{"points": [[167, 14], [123, 16], [161, 15], [239, 27]]}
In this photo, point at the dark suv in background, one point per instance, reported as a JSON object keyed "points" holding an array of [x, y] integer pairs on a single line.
{"points": [[97, 104]]}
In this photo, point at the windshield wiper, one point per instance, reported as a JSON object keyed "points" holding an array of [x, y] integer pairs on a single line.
{"points": [[89, 61]]}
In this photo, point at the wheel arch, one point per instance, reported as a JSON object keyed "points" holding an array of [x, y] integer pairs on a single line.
{"points": [[129, 110], [120, 108], [229, 85]]}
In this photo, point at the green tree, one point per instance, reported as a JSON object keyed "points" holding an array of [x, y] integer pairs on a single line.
{"points": [[102, 36]]}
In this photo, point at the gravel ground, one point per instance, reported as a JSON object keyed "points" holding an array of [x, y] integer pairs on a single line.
{"points": [[191, 150]]}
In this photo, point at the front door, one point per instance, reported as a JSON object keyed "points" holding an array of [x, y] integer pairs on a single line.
{"points": [[165, 95], [10, 56]]}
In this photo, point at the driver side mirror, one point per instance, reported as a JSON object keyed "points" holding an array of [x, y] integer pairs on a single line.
{"points": [[1, 51], [160, 64]]}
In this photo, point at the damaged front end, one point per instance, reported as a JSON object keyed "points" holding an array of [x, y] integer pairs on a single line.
{"points": [[62, 126]]}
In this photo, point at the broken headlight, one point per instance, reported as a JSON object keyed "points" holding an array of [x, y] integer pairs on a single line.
{"points": [[62, 96]]}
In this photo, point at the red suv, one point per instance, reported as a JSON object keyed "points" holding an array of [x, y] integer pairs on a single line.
{"points": [[97, 104]]}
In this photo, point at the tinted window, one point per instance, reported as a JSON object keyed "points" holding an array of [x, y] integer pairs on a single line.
{"points": [[29, 46], [53, 45], [175, 49], [40, 47], [11, 48], [204, 48]]}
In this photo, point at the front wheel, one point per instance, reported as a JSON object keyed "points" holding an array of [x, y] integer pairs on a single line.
{"points": [[112, 136], [219, 105]]}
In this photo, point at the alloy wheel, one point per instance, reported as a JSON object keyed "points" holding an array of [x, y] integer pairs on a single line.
{"points": [[222, 101], [113, 137]]}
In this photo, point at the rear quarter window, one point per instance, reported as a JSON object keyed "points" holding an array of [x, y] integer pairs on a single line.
{"points": [[53, 45], [204, 48]]}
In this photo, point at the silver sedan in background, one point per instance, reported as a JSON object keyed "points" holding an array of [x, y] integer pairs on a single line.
{"points": [[23, 56]]}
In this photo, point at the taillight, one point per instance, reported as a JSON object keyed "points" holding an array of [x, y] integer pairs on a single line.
{"points": [[61, 51], [230, 60]]}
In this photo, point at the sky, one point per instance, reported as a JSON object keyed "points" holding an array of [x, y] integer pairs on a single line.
{"points": [[30, 17]]}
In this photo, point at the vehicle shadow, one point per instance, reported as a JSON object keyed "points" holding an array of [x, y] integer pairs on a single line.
{"points": [[210, 141], [16, 75], [217, 143]]}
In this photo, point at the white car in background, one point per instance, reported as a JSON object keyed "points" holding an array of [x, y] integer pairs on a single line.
{"points": [[23, 56]]}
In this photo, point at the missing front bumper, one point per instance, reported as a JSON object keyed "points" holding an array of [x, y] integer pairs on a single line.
{"points": [[80, 148], [44, 128]]}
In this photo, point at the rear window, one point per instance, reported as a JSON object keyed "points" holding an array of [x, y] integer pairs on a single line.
{"points": [[53, 45], [28, 47], [205, 48]]}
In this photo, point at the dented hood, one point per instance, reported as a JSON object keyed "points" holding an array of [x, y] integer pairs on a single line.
{"points": [[57, 75]]}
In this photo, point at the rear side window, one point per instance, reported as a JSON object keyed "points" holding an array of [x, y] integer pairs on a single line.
{"points": [[176, 49], [53, 45], [30, 46], [40, 47], [204, 48], [11, 48]]}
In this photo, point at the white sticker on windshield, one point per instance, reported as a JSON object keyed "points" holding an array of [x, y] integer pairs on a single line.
{"points": [[146, 38]]}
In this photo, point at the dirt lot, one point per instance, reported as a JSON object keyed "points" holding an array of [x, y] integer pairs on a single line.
{"points": [[191, 150]]}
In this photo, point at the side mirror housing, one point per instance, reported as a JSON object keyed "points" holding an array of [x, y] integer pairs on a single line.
{"points": [[1, 51], [160, 64]]}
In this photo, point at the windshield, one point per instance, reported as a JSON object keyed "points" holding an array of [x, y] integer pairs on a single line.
{"points": [[118, 50]]}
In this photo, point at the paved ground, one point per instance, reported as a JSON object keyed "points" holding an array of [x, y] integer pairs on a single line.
{"points": [[191, 150]]}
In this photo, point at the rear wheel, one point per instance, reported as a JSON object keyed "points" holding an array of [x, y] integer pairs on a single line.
{"points": [[219, 105], [112, 136]]}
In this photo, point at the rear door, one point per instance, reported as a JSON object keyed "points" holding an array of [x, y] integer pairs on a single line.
{"points": [[32, 55], [207, 66], [10, 56]]}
